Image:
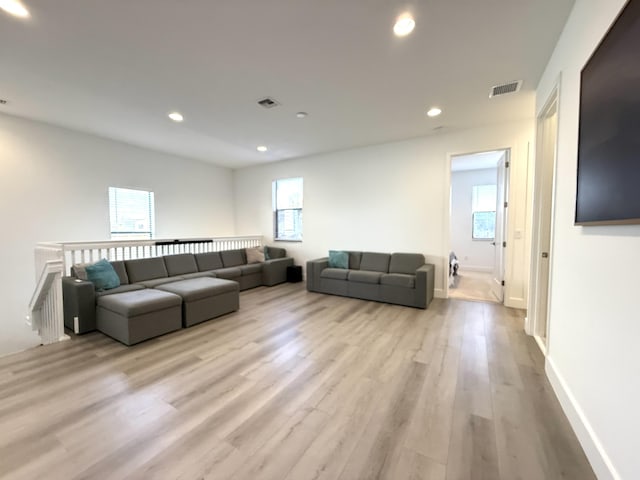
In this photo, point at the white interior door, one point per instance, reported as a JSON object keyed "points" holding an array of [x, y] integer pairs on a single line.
{"points": [[546, 171], [497, 284]]}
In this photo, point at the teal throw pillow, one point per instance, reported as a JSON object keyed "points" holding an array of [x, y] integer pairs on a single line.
{"points": [[338, 259], [266, 253], [102, 275]]}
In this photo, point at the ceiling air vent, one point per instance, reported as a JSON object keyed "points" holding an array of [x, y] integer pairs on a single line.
{"points": [[268, 103], [505, 88]]}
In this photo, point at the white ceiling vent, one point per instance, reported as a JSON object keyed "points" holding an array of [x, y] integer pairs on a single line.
{"points": [[268, 102], [511, 87]]}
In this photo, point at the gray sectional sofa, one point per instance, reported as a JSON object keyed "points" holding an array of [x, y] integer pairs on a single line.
{"points": [[399, 278], [196, 286]]}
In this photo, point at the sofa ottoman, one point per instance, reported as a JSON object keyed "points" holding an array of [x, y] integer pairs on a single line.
{"points": [[131, 317], [204, 298]]}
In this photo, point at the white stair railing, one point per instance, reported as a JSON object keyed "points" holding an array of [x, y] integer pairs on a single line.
{"points": [[53, 260], [45, 308], [86, 252]]}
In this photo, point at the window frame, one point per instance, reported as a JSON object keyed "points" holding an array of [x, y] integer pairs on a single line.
{"points": [[276, 211], [134, 234], [474, 211]]}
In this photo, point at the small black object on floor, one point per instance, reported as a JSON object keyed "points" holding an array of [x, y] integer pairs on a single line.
{"points": [[294, 274]]}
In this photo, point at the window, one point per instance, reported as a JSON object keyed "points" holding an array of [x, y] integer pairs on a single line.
{"points": [[131, 213], [483, 210], [287, 207]]}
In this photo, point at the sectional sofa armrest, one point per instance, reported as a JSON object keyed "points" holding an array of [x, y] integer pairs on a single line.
{"points": [[79, 301], [274, 271], [314, 267], [425, 278]]}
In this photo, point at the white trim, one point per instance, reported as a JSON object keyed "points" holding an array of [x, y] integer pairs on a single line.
{"points": [[541, 345], [532, 310], [439, 292], [593, 448]]}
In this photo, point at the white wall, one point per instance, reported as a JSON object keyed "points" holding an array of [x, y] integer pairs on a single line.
{"points": [[594, 359], [391, 197], [472, 254], [53, 187]]}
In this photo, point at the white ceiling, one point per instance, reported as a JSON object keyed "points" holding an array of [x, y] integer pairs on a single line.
{"points": [[116, 68], [476, 161]]}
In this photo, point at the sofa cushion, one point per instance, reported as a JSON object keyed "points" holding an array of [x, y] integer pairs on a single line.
{"points": [[398, 280], [154, 282], [102, 275], [354, 260], [198, 288], [208, 261], [405, 262], [338, 259], [120, 269], [121, 289], [180, 264], [230, 273], [274, 252], [375, 262], [145, 269], [335, 273], [198, 275], [139, 302], [364, 276], [251, 269], [232, 258]]}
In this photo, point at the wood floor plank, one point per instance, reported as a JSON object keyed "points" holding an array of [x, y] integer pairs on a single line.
{"points": [[295, 385]]}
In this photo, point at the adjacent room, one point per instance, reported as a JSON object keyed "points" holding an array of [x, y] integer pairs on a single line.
{"points": [[319, 240]]}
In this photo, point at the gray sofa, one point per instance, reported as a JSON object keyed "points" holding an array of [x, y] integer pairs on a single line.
{"points": [[171, 276], [399, 278]]}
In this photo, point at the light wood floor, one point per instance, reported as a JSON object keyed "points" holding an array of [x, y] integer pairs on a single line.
{"points": [[469, 285], [294, 386]]}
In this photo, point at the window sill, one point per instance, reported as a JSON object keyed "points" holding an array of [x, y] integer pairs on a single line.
{"points": [[289, 240]]}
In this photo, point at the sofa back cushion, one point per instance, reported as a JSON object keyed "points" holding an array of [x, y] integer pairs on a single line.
{"points": [[354, 260], [405, 263], [118, 266], [180, 264], [274, 252], [375, 262], [208, 261], [146, 269], [233, 258]]}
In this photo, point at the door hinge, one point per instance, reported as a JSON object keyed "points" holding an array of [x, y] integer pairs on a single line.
{"points": [[504, 244], [506, 204], [502, 283], [506, 164]]}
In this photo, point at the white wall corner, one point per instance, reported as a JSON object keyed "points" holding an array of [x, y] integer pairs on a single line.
{"points": [[593, 448], [439, 293]]}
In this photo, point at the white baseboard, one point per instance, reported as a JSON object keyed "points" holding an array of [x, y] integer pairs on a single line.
{"points": [[475, 268], [439, 293], [597, 456]]}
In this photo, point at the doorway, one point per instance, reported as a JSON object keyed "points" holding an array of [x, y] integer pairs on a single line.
{"points": [[479, 187], [541, 251]]}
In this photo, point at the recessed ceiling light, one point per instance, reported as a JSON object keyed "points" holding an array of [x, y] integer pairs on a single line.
{"points": [[176, 117], [434, 112], [15, 8], [261, 148], [404, 25], [301, 114]]}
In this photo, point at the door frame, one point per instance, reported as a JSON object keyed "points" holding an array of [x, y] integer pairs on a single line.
{"points": [[447, 220], [532, 320]]}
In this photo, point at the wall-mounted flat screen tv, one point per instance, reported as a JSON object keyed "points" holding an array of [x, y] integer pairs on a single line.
{"points": [[609, 142]]}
